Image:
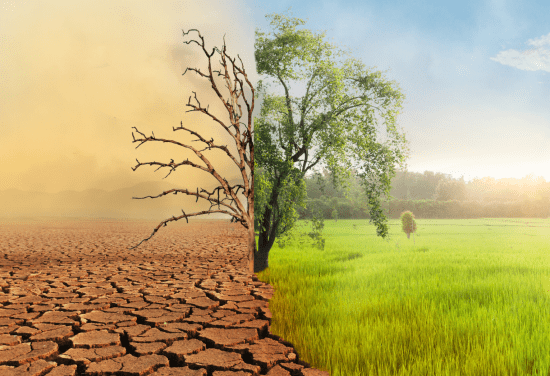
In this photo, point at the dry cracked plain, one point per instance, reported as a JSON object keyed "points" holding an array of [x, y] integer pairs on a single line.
{"points": [[75, 301]]}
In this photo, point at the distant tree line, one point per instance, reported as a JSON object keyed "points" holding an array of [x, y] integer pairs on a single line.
{"points": [[433, 195]]}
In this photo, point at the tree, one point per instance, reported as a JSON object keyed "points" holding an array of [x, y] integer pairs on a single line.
{"points": [[353, 98], [409, 224], [236, 207], [448, 189]]}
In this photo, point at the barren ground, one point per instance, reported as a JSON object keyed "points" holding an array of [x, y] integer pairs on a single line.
{"points": [[75, 301]]}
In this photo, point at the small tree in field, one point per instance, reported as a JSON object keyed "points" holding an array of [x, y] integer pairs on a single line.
{"points": [[409, 224], [335, 215]]}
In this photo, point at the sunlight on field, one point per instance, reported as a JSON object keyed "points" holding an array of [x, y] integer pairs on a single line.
{"points": [[465, 297]]}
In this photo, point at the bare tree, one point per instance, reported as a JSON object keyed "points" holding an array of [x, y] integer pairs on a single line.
{"points": [[236, 207]]}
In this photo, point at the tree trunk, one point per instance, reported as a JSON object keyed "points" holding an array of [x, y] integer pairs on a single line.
{"points": [[264, 245], [260, 259], [408, 235], [269, 226]]}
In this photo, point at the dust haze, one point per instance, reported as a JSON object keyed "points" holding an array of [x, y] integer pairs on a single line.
{"points": [[77, 76]]}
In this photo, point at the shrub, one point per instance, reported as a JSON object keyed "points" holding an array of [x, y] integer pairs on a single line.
{"points": [[409, 224]]}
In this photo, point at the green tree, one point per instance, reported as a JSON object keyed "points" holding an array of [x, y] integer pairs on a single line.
{"points": [[337, 115], [448, 189], [409, 224]]}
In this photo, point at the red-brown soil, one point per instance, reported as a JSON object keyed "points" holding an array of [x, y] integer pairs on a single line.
{"points": [[75, 301]]}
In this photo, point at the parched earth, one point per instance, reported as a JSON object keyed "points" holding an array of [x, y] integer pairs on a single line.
{"points": [[75, 301]]}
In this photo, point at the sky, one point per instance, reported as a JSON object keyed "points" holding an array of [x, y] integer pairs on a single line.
{"points": [[475, 75], [75, 77]]}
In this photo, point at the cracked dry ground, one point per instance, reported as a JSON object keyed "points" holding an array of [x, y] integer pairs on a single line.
{"points": [[75, 301]]}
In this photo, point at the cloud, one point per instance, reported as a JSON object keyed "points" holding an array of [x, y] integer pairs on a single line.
{"points": [[540, 42], [534, 59]]}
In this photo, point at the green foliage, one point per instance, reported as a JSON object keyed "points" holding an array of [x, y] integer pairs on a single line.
{"points": [[450, 190], [496, 202], [335, 215], [316, 233], [317, 224], [262, 186], [408, 222], [280, 196], [537, 208], [357, 99], [413, 187]]}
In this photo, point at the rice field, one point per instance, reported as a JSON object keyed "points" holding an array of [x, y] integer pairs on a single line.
{"points": [[460, 297]]}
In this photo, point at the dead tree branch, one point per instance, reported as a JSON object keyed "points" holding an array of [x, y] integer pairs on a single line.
{"points": [[235, 208]]}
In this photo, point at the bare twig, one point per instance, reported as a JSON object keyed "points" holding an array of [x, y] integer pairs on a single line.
{"points": [[235, 208]]}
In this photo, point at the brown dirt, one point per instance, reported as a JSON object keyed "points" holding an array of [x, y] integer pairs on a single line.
{"points": [[75, 301]]}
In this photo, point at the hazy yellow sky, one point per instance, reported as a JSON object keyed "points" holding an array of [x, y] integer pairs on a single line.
{"points": [[76, 76]]}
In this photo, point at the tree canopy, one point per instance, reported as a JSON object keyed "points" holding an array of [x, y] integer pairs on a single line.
{"points": [[337, 117], [450, 190]]}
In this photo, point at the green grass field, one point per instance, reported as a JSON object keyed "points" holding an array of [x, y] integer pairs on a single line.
{"points": [[465, 297]]}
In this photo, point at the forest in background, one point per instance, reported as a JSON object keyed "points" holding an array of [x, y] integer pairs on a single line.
{"points": [[434, 195]]}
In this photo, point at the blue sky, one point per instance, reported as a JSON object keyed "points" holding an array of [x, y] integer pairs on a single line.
{"points": [[475, 75]]}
